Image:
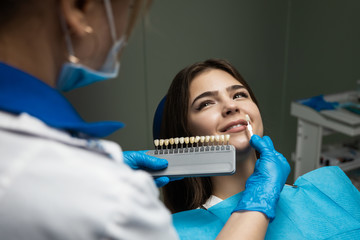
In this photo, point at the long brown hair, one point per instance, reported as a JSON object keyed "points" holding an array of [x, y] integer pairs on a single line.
{"points": [[192, 192]]}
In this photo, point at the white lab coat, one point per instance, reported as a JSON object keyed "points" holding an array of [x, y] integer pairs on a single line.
{"points": [[55, 186]]}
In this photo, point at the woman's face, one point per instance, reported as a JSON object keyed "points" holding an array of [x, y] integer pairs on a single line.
{"points": [[218, 104]]}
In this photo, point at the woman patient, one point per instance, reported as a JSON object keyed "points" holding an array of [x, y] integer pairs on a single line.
{"points": [[212, 98]]}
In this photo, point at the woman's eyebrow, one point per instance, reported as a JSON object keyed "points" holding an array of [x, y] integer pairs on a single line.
{"points": [[214, 93], [234, 87], [205, 94]]}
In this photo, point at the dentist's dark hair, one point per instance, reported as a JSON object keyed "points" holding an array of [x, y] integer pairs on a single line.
{"points": [[12, 10], [8, 9], [189, 193]]}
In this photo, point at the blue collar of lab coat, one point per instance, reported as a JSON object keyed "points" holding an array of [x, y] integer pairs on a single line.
{"points": [[23, 93]]}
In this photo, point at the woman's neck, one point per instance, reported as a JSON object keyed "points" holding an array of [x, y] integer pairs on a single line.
{"points": [[227, 186]]}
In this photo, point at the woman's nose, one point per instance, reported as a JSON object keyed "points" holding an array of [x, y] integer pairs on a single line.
{"points": [[230, 107]]}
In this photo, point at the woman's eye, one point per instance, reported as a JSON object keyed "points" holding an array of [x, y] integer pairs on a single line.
{"points": [[240, 95], [203, 105]]}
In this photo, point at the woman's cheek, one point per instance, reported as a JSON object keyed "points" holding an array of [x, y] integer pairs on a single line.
{"points": [[259, 127], [202, 125], [256, 120]]}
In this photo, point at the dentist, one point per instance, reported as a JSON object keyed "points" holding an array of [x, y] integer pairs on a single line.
{"points": [[58, 180]]}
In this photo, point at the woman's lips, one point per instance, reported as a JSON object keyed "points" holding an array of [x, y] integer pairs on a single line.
{"points": [[235, 126]]}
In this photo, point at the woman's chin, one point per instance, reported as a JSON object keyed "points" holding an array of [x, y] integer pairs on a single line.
{"points": [[241, 145]]}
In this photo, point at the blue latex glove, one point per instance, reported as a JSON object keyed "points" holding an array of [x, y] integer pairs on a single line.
{"points": [[139, 160], [263, 187]]}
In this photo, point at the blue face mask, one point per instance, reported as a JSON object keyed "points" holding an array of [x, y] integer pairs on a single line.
{"points": [[75, 75]]}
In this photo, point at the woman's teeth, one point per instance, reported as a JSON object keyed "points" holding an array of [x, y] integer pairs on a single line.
{"points": [[235, 126]]}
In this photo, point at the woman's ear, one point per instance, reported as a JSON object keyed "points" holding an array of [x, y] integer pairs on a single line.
{"points": [[73, 12]]}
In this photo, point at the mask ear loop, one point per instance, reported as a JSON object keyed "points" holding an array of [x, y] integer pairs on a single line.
{"points": [[68, 42], [110, 16]]}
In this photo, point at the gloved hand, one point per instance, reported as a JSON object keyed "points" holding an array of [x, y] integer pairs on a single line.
{"points": [[263, 187], [140, 160]]}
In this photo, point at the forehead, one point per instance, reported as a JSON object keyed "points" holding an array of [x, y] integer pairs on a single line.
{"points": [[212, 80]]}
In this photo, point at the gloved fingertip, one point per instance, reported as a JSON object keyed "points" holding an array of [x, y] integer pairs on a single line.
{"points": [[268, 141], [176, 179], [155, 163], [161, 181], [259, 144], [161, 163], [254, 139]]}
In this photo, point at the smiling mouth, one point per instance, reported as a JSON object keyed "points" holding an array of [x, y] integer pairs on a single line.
{"points": [[241, 124], [234, 126]]}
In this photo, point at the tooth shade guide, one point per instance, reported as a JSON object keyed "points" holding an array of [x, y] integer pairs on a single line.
{"points": [[222, 139], [212, 139], [197, 139], [161, 142], [156, 143], [164, 146], [202, 140], [227, 138], [192, 140], [207, 140], [166, 141], [171, 142], [197, 161]]}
